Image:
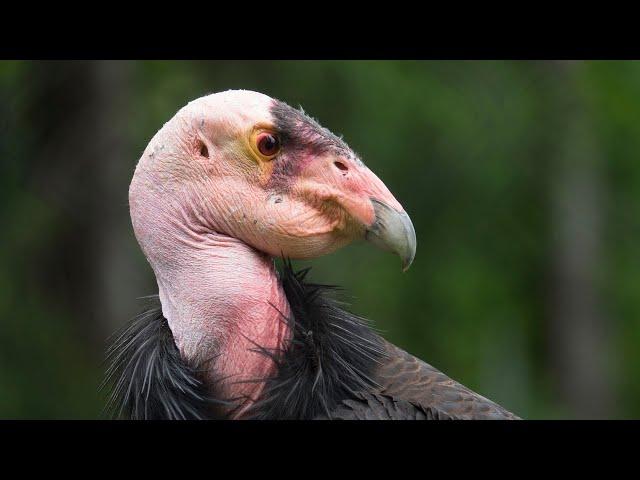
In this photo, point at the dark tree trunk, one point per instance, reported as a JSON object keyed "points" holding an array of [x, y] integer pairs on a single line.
{"points": [[578, 336], [83, 163]]}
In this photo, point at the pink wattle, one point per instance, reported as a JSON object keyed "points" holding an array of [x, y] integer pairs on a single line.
{"points": [[226, 301]]}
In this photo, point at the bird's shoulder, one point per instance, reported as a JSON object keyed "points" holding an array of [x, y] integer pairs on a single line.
{"points": [[404, 378], [378, 406]]}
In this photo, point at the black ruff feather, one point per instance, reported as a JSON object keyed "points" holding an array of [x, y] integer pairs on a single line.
{"points": [[332, 355], [148, 379], [330, 358]]}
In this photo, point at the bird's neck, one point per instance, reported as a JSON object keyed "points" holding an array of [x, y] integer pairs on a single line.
{"points": [[223, 301]]}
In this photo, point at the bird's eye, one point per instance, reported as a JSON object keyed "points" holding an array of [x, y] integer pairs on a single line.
{"points": [[268, 144]]}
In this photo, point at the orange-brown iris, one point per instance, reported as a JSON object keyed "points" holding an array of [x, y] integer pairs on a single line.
{"points": [[268, 144]]}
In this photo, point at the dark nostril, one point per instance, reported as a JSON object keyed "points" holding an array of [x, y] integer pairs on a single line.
{"points": [[341, 166], [204, 151]]}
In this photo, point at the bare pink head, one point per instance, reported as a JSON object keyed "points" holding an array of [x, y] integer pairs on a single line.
{"points": [[307, 196], [233, 179]]}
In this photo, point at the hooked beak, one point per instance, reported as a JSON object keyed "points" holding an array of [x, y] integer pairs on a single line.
{"points": [[393, 231]]}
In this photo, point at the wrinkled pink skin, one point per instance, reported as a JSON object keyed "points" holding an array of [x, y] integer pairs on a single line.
{"points": [[209, 227]]}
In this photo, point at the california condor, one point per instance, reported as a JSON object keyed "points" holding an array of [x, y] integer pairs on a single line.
{"points": [[231, 182]]}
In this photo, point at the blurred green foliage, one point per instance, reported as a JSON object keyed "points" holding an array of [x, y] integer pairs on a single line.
{"points": [[471, 150]]}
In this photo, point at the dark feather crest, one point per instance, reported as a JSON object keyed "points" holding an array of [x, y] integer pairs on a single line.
{"points": [[299, 131]]}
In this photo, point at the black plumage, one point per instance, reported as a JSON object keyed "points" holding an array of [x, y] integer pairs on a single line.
{"points": [[148, 380], [332, 356], [335, 367]]}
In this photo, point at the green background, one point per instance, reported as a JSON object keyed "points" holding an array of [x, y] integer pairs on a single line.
{"points": [[522, 180]]}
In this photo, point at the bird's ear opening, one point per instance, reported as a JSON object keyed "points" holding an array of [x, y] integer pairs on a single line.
{"points": [[203, 146], [204, 151]]}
